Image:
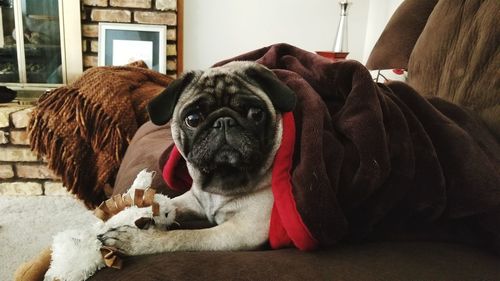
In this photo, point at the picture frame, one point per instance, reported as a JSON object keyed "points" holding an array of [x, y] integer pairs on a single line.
{"points": [[122, 43]]}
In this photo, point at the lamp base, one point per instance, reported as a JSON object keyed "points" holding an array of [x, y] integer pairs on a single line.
{"points": [[334, 56]]}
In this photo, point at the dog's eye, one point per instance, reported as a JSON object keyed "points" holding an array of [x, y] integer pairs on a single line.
{"points": [[255, 114], [193, 120]]}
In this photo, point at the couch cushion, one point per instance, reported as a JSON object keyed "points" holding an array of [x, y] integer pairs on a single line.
{"points": [[395, 44], [145, 152], [371, 261], [457, 57]]}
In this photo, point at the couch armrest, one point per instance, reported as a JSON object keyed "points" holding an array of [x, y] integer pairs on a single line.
{"points": [[396, 42]]}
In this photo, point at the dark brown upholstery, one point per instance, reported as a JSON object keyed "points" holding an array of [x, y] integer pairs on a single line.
{"points": [[396, 42], [451, 50], [374, 261], [149, 141], [457, 57]]}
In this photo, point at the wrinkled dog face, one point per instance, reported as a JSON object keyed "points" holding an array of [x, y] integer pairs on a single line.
{"points": [[226, 131], [225, 123]]}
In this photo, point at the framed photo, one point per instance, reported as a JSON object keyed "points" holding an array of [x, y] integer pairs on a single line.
{"points": [[122, 43]]}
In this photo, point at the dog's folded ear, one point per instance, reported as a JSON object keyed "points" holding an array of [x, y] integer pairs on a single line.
{"points": [[161, 108], [282, 97]]}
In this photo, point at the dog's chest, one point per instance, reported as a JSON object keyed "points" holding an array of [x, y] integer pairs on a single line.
{"points": [[217, 207]]}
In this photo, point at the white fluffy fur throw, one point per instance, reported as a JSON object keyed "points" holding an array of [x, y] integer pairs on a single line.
{"points": [[76, 253]]}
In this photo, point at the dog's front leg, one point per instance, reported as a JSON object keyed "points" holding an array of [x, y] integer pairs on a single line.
{"points": [[234, 234]]}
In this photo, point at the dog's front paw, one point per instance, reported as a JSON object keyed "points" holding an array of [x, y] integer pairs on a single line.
{"points": [[129, 240]]}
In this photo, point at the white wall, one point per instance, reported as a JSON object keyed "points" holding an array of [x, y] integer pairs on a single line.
{"points": [[379, 13], [218, 29]]}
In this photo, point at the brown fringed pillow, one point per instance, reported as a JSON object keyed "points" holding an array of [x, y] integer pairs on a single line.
{"points": [[83, 129]]}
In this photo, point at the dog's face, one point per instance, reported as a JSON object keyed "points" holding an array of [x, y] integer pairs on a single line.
{"points": [[225, 122]]}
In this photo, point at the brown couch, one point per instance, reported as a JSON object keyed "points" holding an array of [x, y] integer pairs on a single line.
{"points": [[381, 260], [441, 61]]}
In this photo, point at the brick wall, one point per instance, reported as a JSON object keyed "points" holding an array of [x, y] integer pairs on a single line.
{"points": [[21, 171], [159, 12]]}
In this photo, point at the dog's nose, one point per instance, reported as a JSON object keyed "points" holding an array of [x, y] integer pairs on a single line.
{"points": [[224, 122]]}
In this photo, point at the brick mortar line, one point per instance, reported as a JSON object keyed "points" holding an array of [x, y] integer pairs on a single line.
{"points": [[16, 178], [89, 20], [132, 9], [41, 181], [3, 145], [96, 23], [15, 162], [38, 162]]}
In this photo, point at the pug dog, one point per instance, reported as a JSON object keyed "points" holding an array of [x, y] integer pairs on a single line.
{"points": [[226, 123]]}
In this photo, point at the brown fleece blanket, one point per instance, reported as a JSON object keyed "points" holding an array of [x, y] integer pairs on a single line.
{"points": [[84, 129], [372, 158]]}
